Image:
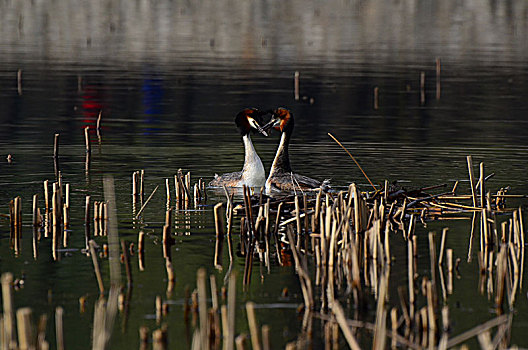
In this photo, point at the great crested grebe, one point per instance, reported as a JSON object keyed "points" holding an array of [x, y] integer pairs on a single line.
{"points": [[281, 176], [253, 173]]}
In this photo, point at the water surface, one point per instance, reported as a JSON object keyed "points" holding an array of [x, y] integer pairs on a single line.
{"points": [[169, 78]]}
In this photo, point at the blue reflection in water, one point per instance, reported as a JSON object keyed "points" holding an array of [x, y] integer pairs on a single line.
{"points": [[152, 89]]}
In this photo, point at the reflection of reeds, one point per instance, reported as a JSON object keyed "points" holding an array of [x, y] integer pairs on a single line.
{"points": [[340, 244]]}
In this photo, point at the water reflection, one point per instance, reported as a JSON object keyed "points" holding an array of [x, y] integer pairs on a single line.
{"points": [[169, 78]]}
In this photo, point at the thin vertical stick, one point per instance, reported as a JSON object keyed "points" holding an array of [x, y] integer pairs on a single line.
{"points": [[46, 211], [87, 221], [298, 217], [167, 187], [19, 82], [422, 88], [170, 276], [482, 186], [59, 330], [9, 315], [99, 120], [376, 95], [87, 140], [430, 313], [56, 146], [202, 307], [219, 222], [296, 85], [141, 251], [442, 245], [231, 309], [410, 274], [253, 326], [266, 344], [214, 293], [126, 259], [96, 266], [521, 232], [35, 210], [472, 180], [438, 79], [433, 263], [26, 338]]}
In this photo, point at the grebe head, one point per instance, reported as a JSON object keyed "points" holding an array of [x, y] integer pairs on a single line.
{"points": [[281, 120], [250, 119]]}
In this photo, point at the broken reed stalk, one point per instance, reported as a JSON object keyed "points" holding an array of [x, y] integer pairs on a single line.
{"points": [[87, 222], [253, 326], [482, 183], [381, 314], [35, 211], [437, 78], [304, 278], [170, 276], [141, 250], [219, 222], [266, 343], [241, 341], [87, 141], [202, 307], [354, 159], [56, 146], [229, 342], [97, 271], [296, 85], [19, 82], [442, 245], [168, 194], [472, 180], [9, 333], [376, 96], [433, 264], [126, 261], [497, 321], [146, 202], [343, 324], [59, 329], [98, 125], [422, 88], [26, 333]]}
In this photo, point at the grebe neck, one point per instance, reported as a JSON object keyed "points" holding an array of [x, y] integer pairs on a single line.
{"points": [[253, 173], [282, 158]]}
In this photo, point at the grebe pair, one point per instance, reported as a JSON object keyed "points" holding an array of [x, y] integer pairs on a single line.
{"points": [[281, 177]]}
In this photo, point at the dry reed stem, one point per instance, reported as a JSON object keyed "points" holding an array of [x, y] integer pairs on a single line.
{"points": [[472, 179], [202, 307], [355, 161], [253, 326], [97, 271], [59, 329], [342, 321], [442, 245], [296, 85], [145, 204], [229, 342], [497, 321]]}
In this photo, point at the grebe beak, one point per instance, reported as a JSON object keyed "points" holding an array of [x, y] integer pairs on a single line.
{"points": [[272, 123], [256, 126]]}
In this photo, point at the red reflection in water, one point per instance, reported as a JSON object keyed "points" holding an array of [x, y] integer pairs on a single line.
{"points": [[92, 105]]}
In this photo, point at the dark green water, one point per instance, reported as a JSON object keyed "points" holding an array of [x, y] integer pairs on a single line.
{"points": [[169, 78]]}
